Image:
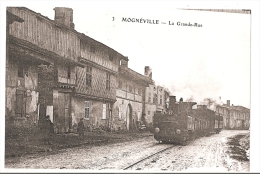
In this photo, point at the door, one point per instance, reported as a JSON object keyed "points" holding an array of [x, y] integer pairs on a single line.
{"points": [[129, 117], [64, 112]]}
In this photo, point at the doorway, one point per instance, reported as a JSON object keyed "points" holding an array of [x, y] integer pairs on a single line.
{"points": [[129, 124], [63, 119]]}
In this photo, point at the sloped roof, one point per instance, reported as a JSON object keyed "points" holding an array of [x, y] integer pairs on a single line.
{"points": [[80, 35], [135, 76]]}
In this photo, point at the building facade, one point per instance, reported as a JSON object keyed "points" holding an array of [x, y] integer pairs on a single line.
{"points": [[234, 117], [51, 69], [128, 109], [95, 94], [156, 99]]}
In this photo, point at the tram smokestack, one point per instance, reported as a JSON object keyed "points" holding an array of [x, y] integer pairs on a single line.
{"points": [[172, 99]]}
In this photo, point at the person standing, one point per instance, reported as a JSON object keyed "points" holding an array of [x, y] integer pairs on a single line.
{"points": [[81, 127], [47, 130]]}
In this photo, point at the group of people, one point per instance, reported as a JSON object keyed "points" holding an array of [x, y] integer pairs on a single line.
{"points": [[48, 129]]}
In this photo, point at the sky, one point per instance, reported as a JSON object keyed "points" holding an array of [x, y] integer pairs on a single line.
{"points": [[192, 62], [209, 61]]}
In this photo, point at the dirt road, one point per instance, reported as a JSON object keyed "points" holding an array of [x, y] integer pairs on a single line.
{"points": [[203, 154]]}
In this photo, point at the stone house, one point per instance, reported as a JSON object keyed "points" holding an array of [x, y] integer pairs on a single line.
{"points": [[128, 108], [156, 99]]}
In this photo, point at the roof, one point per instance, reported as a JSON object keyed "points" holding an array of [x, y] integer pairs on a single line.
{"points": [[234, 107], [80, 35], [12, 18], [134, 75]]}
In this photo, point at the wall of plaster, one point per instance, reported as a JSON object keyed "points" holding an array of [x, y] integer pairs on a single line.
{"points": [[95, 113], [28, 85], [120, 112]]}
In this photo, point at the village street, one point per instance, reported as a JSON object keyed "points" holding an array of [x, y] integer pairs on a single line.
{"points": [[212, 153]]}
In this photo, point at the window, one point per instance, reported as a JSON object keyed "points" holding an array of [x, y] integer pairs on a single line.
{"points": [[108, 82], [68, 75], [120, 112], [87, 109], [89, 76], [139, 91], [20, 103], [149, 97], [148, 113], [22, 70], [160, 99], [120, 84], [130, 88], [104, 111], [154, 98]]}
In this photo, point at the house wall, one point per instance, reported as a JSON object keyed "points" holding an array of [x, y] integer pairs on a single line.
{"points": [[98, 87], [95, 113], [150, 106], [127, 94], [27, 87], [120, 112], [223, 111], [150, 109], [160, 99]]}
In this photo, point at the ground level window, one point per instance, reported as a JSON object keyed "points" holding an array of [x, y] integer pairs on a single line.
{"points": [[87, 109], [104, 112], [120, 112], [20, 103]]}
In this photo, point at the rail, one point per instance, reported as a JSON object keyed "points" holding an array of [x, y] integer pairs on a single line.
{"points": [[148, 157]]}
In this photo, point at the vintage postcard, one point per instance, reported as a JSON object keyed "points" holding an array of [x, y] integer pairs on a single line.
{"points": [[129, 87]]}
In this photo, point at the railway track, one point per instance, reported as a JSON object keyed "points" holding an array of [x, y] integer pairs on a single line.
{"points": [[130, 166]]}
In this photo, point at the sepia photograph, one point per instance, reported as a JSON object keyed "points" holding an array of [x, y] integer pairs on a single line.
{"points": [[121, 86]]}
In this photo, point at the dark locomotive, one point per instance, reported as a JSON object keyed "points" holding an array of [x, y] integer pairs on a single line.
{"points": [[181, 122]]}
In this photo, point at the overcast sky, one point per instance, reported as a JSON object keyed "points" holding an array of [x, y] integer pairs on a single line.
{"points": [[192, 62]]}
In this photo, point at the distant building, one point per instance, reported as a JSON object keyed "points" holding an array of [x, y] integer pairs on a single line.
{"points": [[234, 117], [156, 99]]}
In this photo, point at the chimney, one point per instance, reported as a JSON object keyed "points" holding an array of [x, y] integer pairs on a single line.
{"points": [[64, 16], [172, 99], [228, 102], [124, 62], [148, 72]]}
